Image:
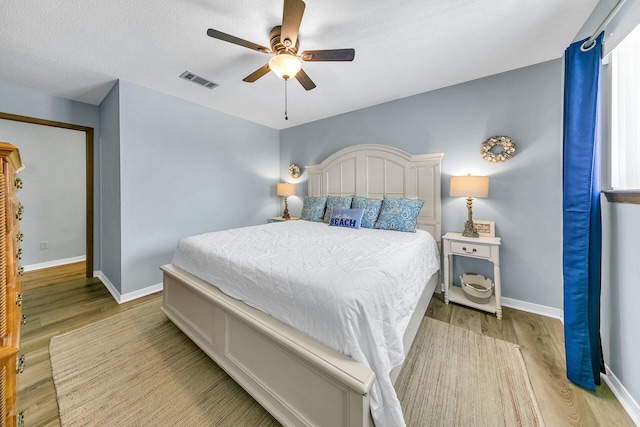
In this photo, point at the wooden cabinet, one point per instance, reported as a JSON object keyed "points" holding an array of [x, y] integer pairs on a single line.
{"points": [[11, 362]]}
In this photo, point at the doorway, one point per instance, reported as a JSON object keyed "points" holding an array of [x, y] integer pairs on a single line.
{"points": [[88, 138]]}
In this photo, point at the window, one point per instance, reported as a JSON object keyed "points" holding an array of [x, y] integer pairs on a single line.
{"points": [[625, 113], [622, 126]]}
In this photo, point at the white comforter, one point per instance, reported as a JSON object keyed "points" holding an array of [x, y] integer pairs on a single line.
{"points": [[353, 290]]}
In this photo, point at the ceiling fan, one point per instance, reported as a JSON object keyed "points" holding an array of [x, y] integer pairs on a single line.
{"points": [[285, 62]]}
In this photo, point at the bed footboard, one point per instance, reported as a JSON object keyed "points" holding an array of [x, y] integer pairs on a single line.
{"points": [[298, 380]]}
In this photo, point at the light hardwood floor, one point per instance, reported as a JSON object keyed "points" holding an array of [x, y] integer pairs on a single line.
{"points": [[59, 299]]}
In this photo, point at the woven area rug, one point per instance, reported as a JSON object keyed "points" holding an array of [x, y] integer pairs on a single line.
{"points": [[138, 369], [465, 379]]}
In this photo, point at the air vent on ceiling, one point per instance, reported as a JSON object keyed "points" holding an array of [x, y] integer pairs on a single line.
{"points": [[199, 80]]}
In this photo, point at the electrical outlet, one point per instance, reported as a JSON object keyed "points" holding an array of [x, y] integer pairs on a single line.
{"points": [[44, 245]]}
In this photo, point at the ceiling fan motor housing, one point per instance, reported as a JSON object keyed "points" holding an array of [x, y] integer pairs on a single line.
{"points": [[277, 45]]}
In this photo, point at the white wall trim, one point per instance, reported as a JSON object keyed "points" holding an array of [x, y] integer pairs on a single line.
{"points": [[122, 298], [56, 263], [529, 307], [624, 397], [542, 310]]}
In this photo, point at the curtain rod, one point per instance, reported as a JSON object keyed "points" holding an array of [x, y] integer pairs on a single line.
{"points": [[591, 42]]}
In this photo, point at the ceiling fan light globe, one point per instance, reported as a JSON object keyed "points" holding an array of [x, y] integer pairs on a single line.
{"points": [[285, 66]]}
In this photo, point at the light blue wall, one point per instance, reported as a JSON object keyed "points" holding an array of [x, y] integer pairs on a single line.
{"points": [[110, 191], [621, 293], [185, 169], [26, 102], [525, 192]]}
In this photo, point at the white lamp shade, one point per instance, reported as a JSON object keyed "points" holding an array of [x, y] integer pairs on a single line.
{"points": [[285, 66], [286, 189], [469, 186]]}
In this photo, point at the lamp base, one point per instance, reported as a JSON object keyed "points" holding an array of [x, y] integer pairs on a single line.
{"points": [[470, 230], [285, 214]]}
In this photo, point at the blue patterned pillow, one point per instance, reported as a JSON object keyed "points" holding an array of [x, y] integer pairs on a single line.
{"points": [[313, 208], [336, 202], [371, 209], [350, 218], [399, 214]]}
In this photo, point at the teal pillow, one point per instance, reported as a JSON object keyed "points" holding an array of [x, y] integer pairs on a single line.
{"points": [[336, 202], [399, 214], [371, 209], [349, 218], [313, 208]]}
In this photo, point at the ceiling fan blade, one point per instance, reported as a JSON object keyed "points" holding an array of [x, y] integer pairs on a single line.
{"points": [[328, 55], [304, 80], [236, 40], [257, 74], [291, 20]]}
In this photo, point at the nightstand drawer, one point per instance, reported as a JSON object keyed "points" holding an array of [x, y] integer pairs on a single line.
{"points": [[470, 249]]}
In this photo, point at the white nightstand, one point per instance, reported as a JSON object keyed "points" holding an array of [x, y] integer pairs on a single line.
{"points": [[487, 248], [279, 219]]}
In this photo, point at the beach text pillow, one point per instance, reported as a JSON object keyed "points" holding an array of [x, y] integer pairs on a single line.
{"points": [[350, 218]]}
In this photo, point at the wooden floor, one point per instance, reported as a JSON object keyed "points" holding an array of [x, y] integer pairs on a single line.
{"points": [[55, 301], [59, 299]]}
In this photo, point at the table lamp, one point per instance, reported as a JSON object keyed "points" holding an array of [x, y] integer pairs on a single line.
{"points": [[469, 186], [286, 189]]}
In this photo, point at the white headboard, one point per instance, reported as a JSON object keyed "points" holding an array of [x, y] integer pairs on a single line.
{"points": [[371, 170]]}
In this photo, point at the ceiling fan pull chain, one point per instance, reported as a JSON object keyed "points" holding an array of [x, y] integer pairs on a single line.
{"points": [[285, 101]]}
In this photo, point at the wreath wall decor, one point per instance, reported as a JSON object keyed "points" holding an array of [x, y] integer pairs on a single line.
{"points": [[508, 149], [294, 171]]}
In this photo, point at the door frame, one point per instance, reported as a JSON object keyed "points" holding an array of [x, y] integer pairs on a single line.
{"points": [[88, 174]]}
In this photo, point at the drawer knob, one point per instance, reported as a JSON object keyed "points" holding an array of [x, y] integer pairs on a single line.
{"points": [[19, 212], [464, 248], [20, 364]]}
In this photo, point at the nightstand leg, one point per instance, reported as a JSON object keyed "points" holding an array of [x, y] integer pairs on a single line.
{"points": [[447, 277], [498, 290]]}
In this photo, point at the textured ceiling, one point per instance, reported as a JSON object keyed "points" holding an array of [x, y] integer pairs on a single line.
{"points": [[78, 49]]}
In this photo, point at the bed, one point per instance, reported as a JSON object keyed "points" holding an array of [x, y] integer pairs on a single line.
{"points": [[295, 374]]}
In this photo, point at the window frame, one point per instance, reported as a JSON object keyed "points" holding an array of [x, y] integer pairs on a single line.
{"points": [[631, 195], [623, 196]]}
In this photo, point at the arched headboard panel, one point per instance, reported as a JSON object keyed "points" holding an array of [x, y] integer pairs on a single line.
{"points": [[371, 170]]}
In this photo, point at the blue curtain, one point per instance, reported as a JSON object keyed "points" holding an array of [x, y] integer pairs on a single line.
{"points": [[581, 214]]}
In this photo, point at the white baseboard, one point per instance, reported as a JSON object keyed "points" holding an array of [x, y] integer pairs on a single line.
{"points": [[542, 310], [529, 307], [122, 298], [626, 400], [56, 263]]}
